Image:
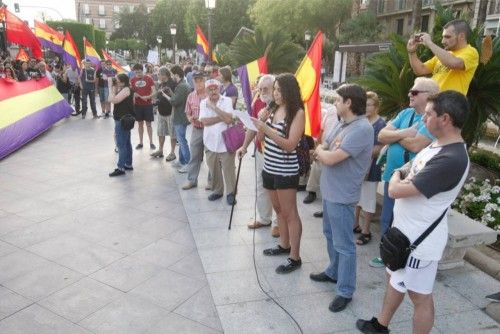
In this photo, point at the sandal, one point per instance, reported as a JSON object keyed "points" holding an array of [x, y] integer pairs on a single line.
{"points": [[357, 229], [363, 239]]}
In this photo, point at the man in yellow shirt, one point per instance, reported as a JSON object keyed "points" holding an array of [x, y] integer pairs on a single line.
{"points": [[452, 66]]}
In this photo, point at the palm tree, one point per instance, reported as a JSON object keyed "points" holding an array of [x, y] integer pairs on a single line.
{"points": [[283, 55]]}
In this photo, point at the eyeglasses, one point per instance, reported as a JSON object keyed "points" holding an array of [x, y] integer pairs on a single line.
{"points": [[415, 92]]}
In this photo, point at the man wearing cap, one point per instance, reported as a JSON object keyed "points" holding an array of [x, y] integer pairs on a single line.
{"points": [[196, 145], [103, 73], [216, 113], [87, 85]]}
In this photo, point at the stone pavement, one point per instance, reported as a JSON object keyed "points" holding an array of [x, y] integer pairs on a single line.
{"points": [[83, 253]]}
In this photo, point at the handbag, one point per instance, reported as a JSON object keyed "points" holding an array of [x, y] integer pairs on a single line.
{"points": [[127, 121], [233, 137], [395, 247]]}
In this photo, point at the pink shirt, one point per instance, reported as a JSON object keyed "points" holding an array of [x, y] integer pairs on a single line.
{"points": [[193, 108]]}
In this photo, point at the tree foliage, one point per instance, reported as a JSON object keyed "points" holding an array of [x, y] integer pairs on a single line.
{"points": [[163, 15], [363, 28], [297, 16], [283, 54], [228, 17]]}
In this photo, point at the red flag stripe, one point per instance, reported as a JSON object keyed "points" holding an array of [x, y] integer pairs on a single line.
{"points": [[26, 87]]}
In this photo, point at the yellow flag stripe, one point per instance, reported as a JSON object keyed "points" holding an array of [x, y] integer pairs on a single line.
{"points": [[47, 36], [27, 104]]}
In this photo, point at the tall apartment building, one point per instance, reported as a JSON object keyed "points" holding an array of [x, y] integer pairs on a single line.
{"points": [[492, 24], [396, 15], [102, 13]]}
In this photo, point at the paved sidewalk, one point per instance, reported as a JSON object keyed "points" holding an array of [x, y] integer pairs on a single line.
{"points": [[83, 253]]}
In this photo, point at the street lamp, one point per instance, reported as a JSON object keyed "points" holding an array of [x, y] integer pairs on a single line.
{"points": [[159, 39], [307, 38], [173, 32], [210, 5]]}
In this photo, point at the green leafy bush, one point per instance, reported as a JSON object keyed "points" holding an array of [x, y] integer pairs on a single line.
{"points": [[486, 158]]}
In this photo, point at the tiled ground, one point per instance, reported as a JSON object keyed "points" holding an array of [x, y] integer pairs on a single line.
{"points": [[83, 253]]}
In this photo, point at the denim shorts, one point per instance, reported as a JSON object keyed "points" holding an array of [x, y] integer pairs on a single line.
{"points": [[274, 182], [144, 113], [103, 94]]}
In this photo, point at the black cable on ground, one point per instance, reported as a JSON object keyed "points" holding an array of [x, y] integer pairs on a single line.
{"points": [[253, 251]]}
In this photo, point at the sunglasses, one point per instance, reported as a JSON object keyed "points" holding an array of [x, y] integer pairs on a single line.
{"points": [[415, 92]]}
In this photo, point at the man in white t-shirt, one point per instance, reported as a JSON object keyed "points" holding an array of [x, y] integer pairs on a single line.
{"points": [[424, 188], [216, 114]]}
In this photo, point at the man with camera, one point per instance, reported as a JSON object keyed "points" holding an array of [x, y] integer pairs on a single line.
{"points": [[452, 66], [423, 190]]}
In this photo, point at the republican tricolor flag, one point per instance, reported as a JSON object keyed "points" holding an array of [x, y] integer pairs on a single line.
{"points": [[202, 45], [248, 75], [71, 55], [114, 64], [49, 37], [27, 109], [90, 53], [308, 75]]}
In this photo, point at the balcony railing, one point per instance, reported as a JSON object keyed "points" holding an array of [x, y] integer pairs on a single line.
{"points": [[385, 7]]}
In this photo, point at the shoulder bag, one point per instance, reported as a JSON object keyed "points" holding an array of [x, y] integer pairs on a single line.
{"points": [[233, 137], [395, 247]]}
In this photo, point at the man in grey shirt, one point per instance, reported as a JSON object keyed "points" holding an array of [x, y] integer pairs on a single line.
{"points": [[345, 157], [74, 90]]}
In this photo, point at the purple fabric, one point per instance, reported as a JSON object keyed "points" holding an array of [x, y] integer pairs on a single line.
{"points": [[234, 137], [54, 47], [23, 131], [245, 87]]}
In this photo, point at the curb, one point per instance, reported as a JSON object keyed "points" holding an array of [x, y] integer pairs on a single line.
{"points": [[491, 267], [483, 262]]}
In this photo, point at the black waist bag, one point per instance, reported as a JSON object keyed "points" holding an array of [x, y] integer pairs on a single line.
{"points": [[127, 122], [395, 247]]}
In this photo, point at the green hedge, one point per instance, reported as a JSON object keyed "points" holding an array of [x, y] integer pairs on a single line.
{"points": [[77, 30], [485, 158], [100, 40]]}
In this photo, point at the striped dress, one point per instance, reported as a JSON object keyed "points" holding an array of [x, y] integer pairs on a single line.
{"points": [[276, 160]]}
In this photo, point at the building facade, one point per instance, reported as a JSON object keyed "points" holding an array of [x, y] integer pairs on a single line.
{"points": [[492, 23], [396, 15], [102, 13]]}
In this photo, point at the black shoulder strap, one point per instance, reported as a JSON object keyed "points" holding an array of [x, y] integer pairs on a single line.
{"points": [[428, 231]]}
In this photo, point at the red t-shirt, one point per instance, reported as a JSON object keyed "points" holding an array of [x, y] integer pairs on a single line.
{"points": [[144, 87]]}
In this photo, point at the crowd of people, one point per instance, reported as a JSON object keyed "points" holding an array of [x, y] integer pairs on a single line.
{"points": [[419, 155]]}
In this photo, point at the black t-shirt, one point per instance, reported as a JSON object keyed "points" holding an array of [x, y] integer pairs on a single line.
{"points": [[34, 73], [62, 87], [164, 106]]}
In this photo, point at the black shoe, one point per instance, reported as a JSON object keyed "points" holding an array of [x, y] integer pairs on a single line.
{"points": [[231, 200], [152, 146], [311, 197], [138, 147], [277, 250], [322, 277], [318, 214], [290, 266], [128, 168], [116, 172], [214, 197], [371, 326], [339, 304]]}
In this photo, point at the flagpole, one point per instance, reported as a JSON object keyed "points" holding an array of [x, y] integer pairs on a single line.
{"points": [[3, 26]]}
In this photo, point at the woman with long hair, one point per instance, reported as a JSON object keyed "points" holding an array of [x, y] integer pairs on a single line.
{"points": [[121, 96], [282, 128]]}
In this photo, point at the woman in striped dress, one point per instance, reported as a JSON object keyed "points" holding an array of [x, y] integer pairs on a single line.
{"points": [[282, 127]]}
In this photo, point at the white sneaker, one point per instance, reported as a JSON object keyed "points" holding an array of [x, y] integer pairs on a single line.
{"points": [[183, 169]]}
